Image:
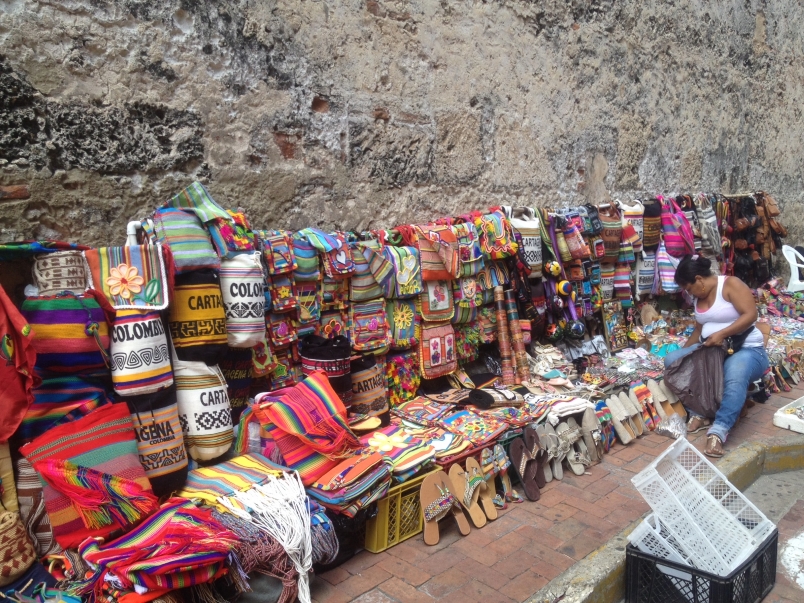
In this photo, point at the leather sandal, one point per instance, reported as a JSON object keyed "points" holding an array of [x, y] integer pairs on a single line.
{"points": [[536, 451], [561, 451], [592, 437], [578, 458], [525, 467], [714, 446], [696, 424], [550, 443], [468, 491], [567, 438]]}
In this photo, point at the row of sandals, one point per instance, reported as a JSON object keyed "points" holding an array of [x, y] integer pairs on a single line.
{"points": [[538, 455]]}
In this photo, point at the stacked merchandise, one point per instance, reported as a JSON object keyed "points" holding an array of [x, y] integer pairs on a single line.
{"points": [[367, 359]]}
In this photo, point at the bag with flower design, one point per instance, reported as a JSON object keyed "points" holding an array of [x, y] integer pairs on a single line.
{"points": [[437, 350], [438, 252], [309, 310], [277, 247], [436, 301], [406, 280], [403, 377], [404, 322], [496, 235], [467, 341], [134, 276], [283, 329], [334, 323], [472, 259], [283, 292], [370, 332]]}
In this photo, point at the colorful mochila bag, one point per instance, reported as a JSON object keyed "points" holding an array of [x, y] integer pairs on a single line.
{"points": [[370, 331], [185, 235], [70, 332], [231, 237], [131, 276], [404, 320], [496, 235], [307, 263], [679, 239], [438, 252], [278, 251], [437, 350], [437, 303], [406, 280], [242, 287], [370, 265], [139, 353], [526, 222], [197, 317], [472, 260], [60, 271]]}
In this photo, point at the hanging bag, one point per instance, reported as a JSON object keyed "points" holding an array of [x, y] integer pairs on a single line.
{"points": [[665, 271], [676, 230], [242, 288], [634, 214], [611, 232], [472, 260], [525, 221], [651, 223], [496, 235]]}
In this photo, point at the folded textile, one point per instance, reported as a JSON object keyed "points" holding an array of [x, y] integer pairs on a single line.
{"points": [[422, 410], [400, 449], [477, 429], [94, 484]]}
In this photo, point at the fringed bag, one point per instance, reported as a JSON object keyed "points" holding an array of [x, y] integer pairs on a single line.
{"points": [[94, 484]]}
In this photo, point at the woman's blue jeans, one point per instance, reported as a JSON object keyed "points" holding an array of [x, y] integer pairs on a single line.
{"points": [[739, 371]]}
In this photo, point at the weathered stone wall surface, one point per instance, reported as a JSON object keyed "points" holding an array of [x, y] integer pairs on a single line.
{"points": [[363, 113]]}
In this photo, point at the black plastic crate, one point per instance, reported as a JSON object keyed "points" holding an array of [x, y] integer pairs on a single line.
{"points": [[649, 579]]}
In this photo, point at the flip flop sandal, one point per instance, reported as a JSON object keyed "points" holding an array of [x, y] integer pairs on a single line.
{"points": [[437, 500], [550, 443], [623, 426], [590, 430], [525, 467], [561, 451], [468, 488], [486, 496], [660, 401], [578, 458], [536, 451], [634, 411], [675, 403]]}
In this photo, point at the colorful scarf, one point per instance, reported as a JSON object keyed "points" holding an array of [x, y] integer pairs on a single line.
{"points": [[133, 276], [183, 232], [94, 484]]}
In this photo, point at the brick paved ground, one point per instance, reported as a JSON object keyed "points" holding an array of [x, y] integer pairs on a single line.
{"points": [[530, 543], [785, 590]]}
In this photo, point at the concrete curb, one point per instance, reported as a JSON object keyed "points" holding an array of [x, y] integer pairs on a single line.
{"points": [[600, 576]]}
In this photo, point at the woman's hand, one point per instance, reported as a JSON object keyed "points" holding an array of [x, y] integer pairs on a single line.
{"points": [[715, 339]]}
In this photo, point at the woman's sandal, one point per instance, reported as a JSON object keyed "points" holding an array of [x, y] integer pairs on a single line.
{"points": [[562, 449], [468, 491], [486, 496], [504, 463], [537, 452], [578, 457], [437, 498], [550, 443], [592, 436], [525, 467]]}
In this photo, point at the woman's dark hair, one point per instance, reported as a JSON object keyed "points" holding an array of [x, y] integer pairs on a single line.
{"points": [[690, 267]]}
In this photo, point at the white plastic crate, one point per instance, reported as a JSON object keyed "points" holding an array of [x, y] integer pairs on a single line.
{"points": [[712, 523]]}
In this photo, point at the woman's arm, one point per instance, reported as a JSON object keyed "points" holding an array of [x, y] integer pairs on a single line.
{"points": [[695, 337], [739, 295]]}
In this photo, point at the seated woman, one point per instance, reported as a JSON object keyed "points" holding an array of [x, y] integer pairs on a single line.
{"points": [[724, 307]]}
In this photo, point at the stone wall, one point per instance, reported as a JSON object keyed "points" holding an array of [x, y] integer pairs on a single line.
{"points": [[364, 113]]}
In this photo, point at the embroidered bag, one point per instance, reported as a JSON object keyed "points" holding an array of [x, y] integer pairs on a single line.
{"points": [[406, 280], [59, 271], [17, 360], [403, 377], [369, 396], [526, 222], [437, 350], [205, 413], [472, 259], [160, 441], [183, 232], [488, 324], [466, 298], [578, 248], [283, 292], [93, 482], [496, 235], [676, 230], [278, 251], [651, 223], [263, 362], [309, 310], [436, 301], [438, 252], [285, 373], [335, 323], [132, 276], [282, 329], [233, 236], [467, 340], [332, 357], [492, 275], [370, 331], [634, 214], [242, 286], [307, 263], [139, 353], [197, 318], [404, 320], [612, 231], [338, 262], [70, 332]]}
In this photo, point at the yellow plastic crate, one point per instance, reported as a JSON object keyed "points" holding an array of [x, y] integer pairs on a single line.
{"points": [[399, 516]]}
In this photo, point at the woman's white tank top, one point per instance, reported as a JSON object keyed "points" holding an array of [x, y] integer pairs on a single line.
{"points": [[721, 315]]}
